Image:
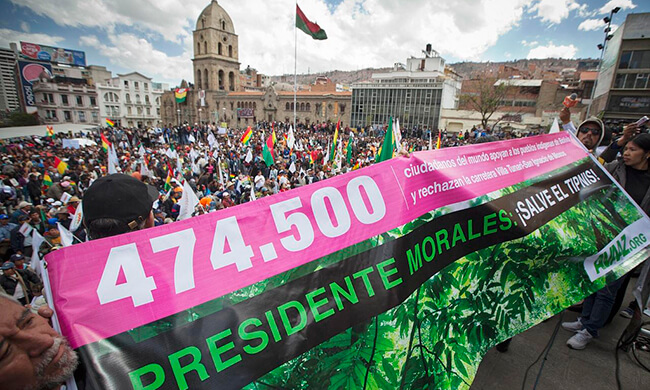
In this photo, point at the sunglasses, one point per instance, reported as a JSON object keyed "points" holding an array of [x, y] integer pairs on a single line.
{"points": [[585, 130]]}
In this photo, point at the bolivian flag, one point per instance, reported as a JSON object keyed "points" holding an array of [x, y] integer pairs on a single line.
{"points": [[248, 134], [50, 131], [168, 181], [47, 180], [335, 141], [105, 143], [356, 166], [60, 165], [438, 142], [110, 123], [180, 94]]}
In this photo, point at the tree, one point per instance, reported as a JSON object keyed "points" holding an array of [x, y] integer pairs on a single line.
{"points": [[22, 119], [486, 95]]}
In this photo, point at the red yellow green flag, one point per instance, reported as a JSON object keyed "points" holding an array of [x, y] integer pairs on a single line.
{"points": [[105, 143], [336, 137], [110, 122], [168, 181], [50, 131], [248, 134], [47, 180], [438, 141], [60, 165], [180, 94]]}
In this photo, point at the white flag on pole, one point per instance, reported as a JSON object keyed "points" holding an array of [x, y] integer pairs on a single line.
{"points": [[253, 197], [555, 128], [141, 151], [187, 202], [292, 167], [291, 139], [113, 161], [223, 184], [37, 240], [211, 140], [77, 218], [397, 133], [249, 156], [66, 237]]}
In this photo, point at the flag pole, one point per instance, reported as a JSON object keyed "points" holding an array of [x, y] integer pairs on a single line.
{"points": [[295, 67]]}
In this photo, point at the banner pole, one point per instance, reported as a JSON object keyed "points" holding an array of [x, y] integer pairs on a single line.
{"points": [[295, 68]]}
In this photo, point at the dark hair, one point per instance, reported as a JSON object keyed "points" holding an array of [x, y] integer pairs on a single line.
{"points": [[108, 227], [643, 141]]}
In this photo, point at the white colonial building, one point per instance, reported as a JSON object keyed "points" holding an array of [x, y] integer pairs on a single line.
{"points": [[130, 100]]}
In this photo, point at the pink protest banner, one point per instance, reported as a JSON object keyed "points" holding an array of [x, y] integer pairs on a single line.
{"points": [[105, 287]]}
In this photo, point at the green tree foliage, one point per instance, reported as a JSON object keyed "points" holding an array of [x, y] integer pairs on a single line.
{"points": [[438, 336]]}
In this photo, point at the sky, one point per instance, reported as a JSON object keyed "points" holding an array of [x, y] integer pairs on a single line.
{"points": [[154, 37]]}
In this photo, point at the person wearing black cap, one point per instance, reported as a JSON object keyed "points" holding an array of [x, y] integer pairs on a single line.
{"points": [[117, 204]]}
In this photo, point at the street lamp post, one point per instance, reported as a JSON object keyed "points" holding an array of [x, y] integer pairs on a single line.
{"points": [[178, 111], [602, 47], [200, 109]]}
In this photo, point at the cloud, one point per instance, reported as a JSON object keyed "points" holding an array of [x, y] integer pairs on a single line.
{"points": [[552, 51], [595, 24], [554, 11], [362, 33], [611, 4], [8, 36], [591, 25], [24, 26], [529, 44], [132, 52], [171, 19]]}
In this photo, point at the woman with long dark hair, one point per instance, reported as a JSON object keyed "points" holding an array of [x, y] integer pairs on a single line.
{"points": [[631, 171]]}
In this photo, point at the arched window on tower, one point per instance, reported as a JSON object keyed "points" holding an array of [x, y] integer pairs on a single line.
{"points": [[221, 80], [198, 79], [206, 82], [205, 47], [223, 24], [202, 22], [219, 48], [287, 106], [302, 106], [308, 107], [198, 48], [229, 50], [231, 81]]}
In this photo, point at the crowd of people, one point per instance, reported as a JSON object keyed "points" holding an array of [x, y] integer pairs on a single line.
{"points": [[132, 179]]}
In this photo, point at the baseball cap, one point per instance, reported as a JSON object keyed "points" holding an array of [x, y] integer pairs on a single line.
{"points": [[16, 257], [120, 197], [24, 204], [4, 216], [7, 265]]}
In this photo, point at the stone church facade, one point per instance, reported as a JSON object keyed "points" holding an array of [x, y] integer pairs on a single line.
{"points": [[216, 73]]}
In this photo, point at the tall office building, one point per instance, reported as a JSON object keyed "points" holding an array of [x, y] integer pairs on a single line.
{"points": [[414, 93], [9, 100], [623, 86]]}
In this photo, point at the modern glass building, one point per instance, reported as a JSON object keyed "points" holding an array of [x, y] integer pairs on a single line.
{"points": [[414, 93]]}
